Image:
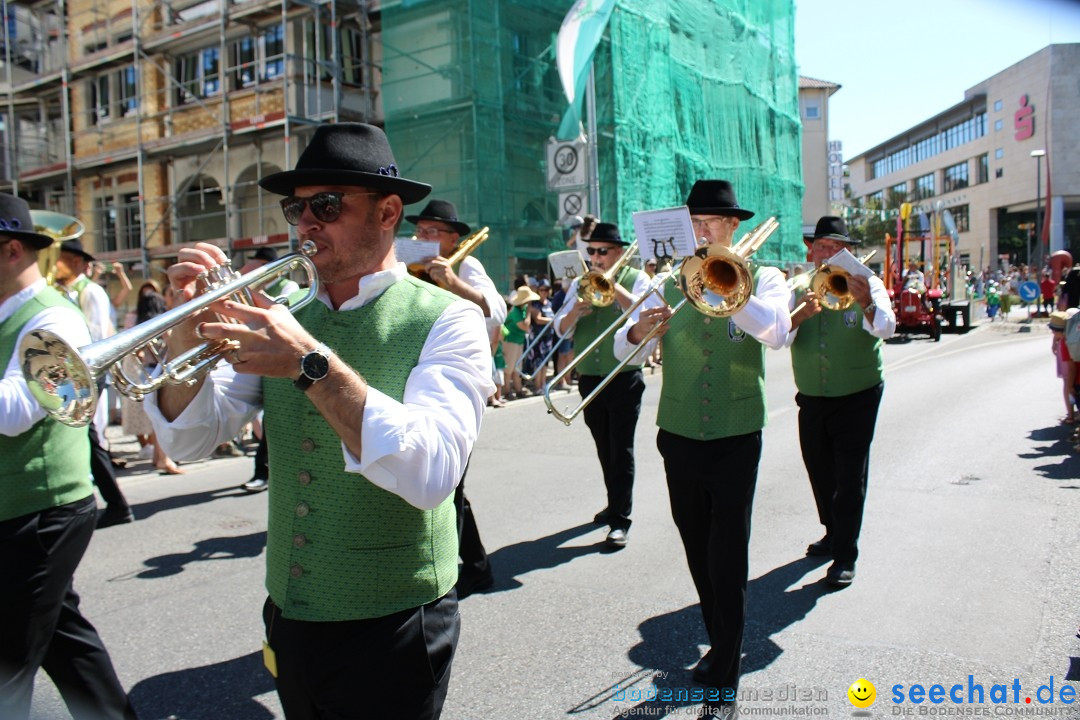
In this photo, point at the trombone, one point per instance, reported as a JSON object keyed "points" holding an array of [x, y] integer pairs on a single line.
{"points": [[715, 280], [64, 379], [595, 287], [829, 283], [465, 247]]}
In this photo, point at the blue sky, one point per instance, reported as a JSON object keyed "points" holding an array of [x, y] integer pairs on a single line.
{"points": [[901, 62]]}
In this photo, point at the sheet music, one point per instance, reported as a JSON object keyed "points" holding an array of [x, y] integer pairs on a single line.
{"points": [[666, 233], [565, 264], [844, 259], [411, 250]]}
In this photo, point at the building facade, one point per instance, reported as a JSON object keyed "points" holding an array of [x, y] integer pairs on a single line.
{"points": [[991, 160], [822, 160]]}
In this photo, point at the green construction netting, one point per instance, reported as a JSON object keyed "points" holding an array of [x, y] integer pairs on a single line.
{"points": [[686, 89]]}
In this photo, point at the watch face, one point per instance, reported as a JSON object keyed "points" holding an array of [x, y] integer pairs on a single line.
{"points": [[315, 365]]}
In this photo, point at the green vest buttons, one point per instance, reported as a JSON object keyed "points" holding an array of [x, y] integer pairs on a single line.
{"points": [[706, 369], [307, 445], [296, 571], [304, 477], [707, 320], [299, 540], [302, 509], [705, 386]]}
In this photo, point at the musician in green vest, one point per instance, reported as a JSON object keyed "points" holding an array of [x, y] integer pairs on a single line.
{"points": [[47, 506], [836, 356], [373, 395], [72, 266], [712, 411], [612, 416]]}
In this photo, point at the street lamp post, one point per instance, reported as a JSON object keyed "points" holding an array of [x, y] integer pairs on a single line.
{"points": [[1038, 155]]}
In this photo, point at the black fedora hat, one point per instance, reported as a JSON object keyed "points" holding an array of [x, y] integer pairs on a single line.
{"points": [[75, 247], [441, 211], [607, 232], [15, 222], [348, 154], [833, 228], [715, 197], [268, 254]]}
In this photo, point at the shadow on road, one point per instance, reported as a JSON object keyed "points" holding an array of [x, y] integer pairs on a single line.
{"points": [[513, 561], [670, 643], [1060, 448], [175, 502], [222, 690], [219, 548]]}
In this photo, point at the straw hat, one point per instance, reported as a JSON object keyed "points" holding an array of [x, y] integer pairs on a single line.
{"points": [[523, 295]]}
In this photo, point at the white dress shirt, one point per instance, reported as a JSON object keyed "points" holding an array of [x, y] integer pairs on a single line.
{"points": [[416, 449], [472, 273], [95, 305], [765, 316], [884, 325], [18, 408]]}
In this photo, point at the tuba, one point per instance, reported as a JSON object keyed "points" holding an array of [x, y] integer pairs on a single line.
{"points": [[465, 248], [59, 227], [64, 379]]}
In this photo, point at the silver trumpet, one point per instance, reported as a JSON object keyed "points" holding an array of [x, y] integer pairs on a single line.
{"points": [[64, 379]]}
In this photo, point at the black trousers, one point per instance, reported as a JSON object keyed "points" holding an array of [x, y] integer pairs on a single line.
{"points": [[835, 434], [711, 486], [474, 557], [262, 458], [101, 466], [40, 622], [396, 666], [612, 419]]}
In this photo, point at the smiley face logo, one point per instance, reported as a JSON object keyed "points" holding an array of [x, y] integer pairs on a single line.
{"points": [[862, 693]]}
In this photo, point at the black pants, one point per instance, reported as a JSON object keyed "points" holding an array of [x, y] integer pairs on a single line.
{"points": [[711, 485], [40, 622], [101, 466], [396, 666], [474, 558], [612, 418], [835, 434], [262, 458]]}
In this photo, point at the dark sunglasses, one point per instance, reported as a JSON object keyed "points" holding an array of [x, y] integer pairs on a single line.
{"points": [[598, 251], [325, 206]]}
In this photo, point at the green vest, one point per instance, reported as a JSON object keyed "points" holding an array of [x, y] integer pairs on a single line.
{"points": [[714, 376], [601, 361], [339, 547], [49, 464], [832, 355]]}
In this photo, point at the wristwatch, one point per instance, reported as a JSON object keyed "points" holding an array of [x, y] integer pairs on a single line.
{"points": [[314, 366]]}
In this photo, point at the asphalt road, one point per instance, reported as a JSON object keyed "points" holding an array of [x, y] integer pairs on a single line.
{"points": [[968, 566]]}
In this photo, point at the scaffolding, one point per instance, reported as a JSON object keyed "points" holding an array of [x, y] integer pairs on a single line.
{"points": [[154, 121], [686, 89]]}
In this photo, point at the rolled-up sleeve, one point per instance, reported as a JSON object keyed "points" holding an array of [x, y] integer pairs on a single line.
{"points": [[418, 448]]}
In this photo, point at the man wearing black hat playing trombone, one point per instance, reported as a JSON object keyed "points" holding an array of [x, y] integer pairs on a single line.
{"points": [[836, 356], [612, 416], [374, 395], [439, 221], [712, 411]]}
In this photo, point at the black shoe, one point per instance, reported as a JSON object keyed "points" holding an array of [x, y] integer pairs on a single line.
{"points": [[255, 485], [616, 537], [820, 548], [840, 574], [115, 516], [726, 710], [703, 670], [603, 517], [471, 582]]}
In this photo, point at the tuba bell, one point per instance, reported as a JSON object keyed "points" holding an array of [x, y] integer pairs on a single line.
{"points": [[59, 227]]}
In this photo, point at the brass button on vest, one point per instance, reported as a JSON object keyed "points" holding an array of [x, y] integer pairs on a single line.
{"points": [[302, 509], [706, 369], [706, 352], [707, 320], [704, 401], [307, 445], [304, 477], [296, 571], [706, 418], [705, 386], [299, 540]]}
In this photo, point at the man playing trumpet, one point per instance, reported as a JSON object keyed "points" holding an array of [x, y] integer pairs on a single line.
{"points": [[836, 356], [373, 396], [712, 410]]}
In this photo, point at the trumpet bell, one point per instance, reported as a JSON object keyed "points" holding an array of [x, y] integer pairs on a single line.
{"points": [[716, 281], [59, 378]]}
